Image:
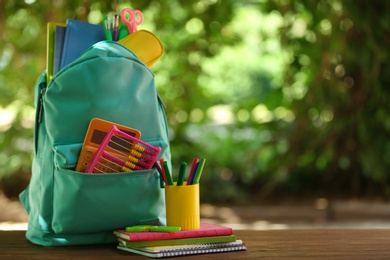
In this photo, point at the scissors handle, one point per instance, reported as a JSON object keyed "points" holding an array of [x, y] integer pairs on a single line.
{"points": [[135, 18]]}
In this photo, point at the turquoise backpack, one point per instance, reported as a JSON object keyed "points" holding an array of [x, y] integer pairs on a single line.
{"points": [[66, 207]]}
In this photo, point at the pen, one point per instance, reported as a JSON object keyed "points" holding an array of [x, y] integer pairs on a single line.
{"points": [[192, 171], [169, 176], [199, 171], [116, 27], [107, 28], [182, 171]]}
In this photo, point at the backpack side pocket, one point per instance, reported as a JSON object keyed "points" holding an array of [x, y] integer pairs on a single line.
{"points": [[92, 203]]}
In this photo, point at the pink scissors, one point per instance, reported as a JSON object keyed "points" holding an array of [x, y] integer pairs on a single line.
{"points": [[135, 18]]}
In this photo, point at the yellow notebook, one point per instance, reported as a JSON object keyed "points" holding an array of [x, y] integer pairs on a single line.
{"points": [[145, 45]]}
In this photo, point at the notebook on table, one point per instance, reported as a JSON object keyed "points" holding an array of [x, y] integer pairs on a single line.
{"points": [[179, 241], [205, 230], [182, 250]]}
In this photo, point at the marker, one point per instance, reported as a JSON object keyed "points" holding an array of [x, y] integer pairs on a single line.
{"points": [[193, 174], [160, 171], [140, 228], [116, 27], [169, 176], [163, 171], [147, 228], [199, 171], [165, 229], [107, 28], [192, 171], [182, 172], [123, 31]]}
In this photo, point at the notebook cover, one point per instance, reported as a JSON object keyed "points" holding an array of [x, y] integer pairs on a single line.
{"points": [[179, 241], [79, 37], [195, 246], [50, 49], [182, 250], [205, 230], [58, 46]]}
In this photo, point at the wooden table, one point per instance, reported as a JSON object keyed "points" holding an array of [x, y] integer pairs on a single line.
{"points": [[270, 244]]}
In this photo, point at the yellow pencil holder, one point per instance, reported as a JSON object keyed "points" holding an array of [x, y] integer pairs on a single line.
{"points": [[182, 206]]}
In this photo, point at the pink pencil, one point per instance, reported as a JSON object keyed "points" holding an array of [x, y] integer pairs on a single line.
{"points": [[192, 172]]}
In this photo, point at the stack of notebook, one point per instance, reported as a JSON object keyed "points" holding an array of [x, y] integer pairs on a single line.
{"points": [[209, 238], [66, 42]]}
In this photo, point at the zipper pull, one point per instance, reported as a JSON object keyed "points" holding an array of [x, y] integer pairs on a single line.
{"points": [[41, 96]]}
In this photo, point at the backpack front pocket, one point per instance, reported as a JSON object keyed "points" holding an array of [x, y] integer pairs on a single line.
{"points": [[92, 203]]}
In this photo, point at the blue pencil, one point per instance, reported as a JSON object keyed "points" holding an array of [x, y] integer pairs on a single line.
{"points": [[192, 171], [199, 171]]}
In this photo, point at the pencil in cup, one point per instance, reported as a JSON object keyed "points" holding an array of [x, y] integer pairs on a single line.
{"points": [[196, 171]]}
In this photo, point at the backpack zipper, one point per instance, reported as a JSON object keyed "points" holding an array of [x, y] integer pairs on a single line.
{"points": [[41, 96]]}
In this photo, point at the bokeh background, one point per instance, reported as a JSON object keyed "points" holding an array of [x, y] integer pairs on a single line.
{"points": [[285, 99]]}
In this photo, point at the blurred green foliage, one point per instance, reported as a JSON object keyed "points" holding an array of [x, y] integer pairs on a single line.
{"points": [[281, 97]]}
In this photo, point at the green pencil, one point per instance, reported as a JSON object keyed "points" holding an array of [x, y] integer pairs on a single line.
{"points": [[168, 173], [199, 170], [182, 171]]}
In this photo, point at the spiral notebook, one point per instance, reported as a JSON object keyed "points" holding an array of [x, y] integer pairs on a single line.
{"points": [[182, 250], [179, 241]]}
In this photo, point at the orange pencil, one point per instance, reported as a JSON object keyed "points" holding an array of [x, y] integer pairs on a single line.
{"points": [[163, 171]]}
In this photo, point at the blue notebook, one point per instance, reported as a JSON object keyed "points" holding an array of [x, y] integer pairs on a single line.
{"points": [[58, 46], [79, 36]]}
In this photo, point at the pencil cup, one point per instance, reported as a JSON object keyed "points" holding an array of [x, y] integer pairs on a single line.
{"points": [[182, 206]]}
